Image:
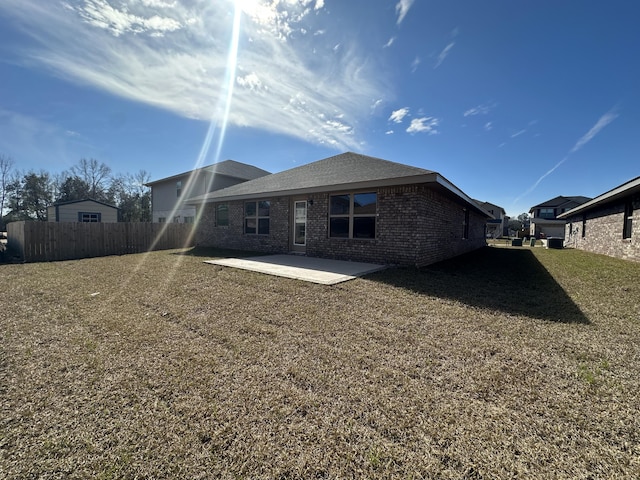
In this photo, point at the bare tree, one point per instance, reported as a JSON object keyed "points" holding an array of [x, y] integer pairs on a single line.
{"points": [[132, 196], [6, 166], [95, 174]]}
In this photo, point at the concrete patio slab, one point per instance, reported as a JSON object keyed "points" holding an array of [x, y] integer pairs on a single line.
{"points": [[316, 270]]}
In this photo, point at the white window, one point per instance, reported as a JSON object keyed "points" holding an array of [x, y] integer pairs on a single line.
{"points": [[89, 217]]}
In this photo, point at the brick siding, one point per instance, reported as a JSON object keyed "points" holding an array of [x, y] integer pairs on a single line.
{"points": [[603, 232], [415, 226]]}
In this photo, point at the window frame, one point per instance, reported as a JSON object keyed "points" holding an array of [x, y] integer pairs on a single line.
{"points": [[257, 217], [351, 216], [218, 208], [550, 213], [97, 215], [178, 188], [627, 227]]}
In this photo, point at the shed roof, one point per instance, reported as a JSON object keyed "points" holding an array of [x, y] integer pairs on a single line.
{"points": [[621, 191], [69, 202], [344, 171], [229, 168]]}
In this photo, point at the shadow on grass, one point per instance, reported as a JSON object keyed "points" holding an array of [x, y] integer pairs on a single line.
{"points": [[212, 252], [509, 280]]}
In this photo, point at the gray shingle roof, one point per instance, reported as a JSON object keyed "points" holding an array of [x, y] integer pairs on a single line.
{"points": [[69, 202], [615, 194], [562, 202], [344, 170], [230, 168]]}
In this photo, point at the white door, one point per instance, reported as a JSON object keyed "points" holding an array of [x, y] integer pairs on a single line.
{"points": [[299, 233]]}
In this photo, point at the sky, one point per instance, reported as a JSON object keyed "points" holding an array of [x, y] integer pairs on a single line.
{"points": [[513, 101]]}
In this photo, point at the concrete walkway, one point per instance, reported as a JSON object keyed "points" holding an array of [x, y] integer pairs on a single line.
{"points": [[309, 269]]}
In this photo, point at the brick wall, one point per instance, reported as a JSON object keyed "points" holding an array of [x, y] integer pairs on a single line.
{"points": [[232, 236], [415, 226], [603, 233], [441, 225]]}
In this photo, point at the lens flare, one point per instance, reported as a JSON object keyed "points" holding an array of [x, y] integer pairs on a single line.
{"points": [[217, 129]]}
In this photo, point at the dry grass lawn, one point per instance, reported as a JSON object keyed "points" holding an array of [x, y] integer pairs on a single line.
{"points": [[507, 363]]}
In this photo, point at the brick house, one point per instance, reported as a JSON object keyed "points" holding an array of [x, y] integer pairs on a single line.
{"points": [[544, 218], [605, 224], [349, 207]]}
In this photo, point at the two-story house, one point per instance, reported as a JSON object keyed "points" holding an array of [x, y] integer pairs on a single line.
{"points": [[169, 195], [497, 226], [544, 216]]}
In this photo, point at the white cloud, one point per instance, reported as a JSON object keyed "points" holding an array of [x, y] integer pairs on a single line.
{"points": [[173, 55], [488, 126], [482, 109], [424, 125], [250, 81], [389, 132], [518, 133], [602, 122], [402, 7], [101, 14], [414, 65], [376, 104], [398, 115], [444, 54], [158, 4], [389, 43]]}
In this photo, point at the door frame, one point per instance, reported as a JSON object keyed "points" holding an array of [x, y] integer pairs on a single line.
{"points": [[297, 248]]}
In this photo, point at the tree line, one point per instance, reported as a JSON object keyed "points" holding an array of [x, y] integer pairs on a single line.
{"points": [[26, 195]]}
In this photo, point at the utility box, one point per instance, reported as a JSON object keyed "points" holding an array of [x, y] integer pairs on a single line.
{"points": [[516, 242], [555, 242], [533, 241]]}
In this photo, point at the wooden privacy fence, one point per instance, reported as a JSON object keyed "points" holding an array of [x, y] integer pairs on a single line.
{"points": [[50, 241]]}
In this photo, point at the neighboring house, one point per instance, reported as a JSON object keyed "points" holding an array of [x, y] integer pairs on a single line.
{"points": [[605, 224], [350, 207], [497, 226], [87, 210], [544, 222], [168, 195]]}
